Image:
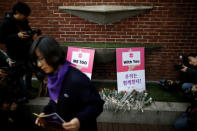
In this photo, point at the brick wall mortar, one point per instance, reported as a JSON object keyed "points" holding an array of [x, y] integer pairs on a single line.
{"points": [[171, 24]]}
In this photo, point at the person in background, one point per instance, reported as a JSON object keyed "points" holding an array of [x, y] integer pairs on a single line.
{"points": [[9, 109], [190, 86], [13, 30], [17, 36], [72, 95], [5, 61], [188, 120]]}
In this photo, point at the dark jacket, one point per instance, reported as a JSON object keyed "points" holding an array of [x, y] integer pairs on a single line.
{"points": [[4, 59], [78, 98], [17, 48], [191, 75]]}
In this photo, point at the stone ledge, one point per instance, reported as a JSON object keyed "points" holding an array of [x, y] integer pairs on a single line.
{"points": [[105, 8], [105, 14], [159, 113]]}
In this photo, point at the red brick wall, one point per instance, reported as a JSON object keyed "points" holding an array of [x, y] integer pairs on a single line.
{"points": [[171, 24]]}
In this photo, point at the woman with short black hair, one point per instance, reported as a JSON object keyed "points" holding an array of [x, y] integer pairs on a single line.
{"points": [[72, 95]]}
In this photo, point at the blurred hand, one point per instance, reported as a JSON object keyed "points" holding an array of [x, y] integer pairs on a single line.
{"points": [[73, 125], [11, 62], [184, 69], [194, 88], [2, 73], [39, 121], [22, 35]]}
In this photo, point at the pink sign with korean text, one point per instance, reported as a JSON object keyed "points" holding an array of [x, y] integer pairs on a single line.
{"points": [[82, 59], [130, 69]]}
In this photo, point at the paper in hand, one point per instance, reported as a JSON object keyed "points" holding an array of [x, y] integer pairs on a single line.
{"points": [[52, 120]]}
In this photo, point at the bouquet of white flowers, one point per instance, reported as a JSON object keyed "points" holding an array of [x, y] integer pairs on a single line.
{"points": [[124, 101]]}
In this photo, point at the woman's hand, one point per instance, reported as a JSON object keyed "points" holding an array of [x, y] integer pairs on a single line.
{"points": [[72, 125], [39, 121]]}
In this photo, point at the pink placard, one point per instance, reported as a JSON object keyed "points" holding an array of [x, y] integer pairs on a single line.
{"points": [[134, 59], [82, 59], [130, 69]]}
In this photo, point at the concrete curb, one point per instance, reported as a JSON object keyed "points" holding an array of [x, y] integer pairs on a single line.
{"points": [[159, 113]]}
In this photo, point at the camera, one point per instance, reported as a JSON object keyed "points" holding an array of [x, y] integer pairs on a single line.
{"points": [[169, 84], [184, 63], [32, 32], [179, 67]]}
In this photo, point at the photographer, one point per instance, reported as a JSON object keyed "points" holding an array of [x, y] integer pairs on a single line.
{"points": [[11, 87], [5, 61], [190, 71], [12, 32], [8, 95], [188, 120], [17, 36]]}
